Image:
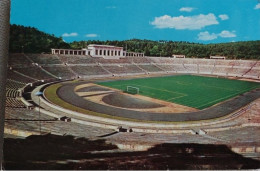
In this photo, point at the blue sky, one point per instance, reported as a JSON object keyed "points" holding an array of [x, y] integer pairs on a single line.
{"points": [[203, 21]]}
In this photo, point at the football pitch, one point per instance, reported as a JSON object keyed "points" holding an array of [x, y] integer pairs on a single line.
{"points": [[194, 91]]}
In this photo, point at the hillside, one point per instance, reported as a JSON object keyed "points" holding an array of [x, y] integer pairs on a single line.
{"points": [[31, 40], [232, 50]]}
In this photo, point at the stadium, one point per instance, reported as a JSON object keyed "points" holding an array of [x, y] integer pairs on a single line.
{"points": [[142, 106], [146, 100]]}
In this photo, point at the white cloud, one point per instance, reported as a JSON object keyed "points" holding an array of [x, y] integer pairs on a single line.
{"points": [[257, 6], [181, 22], [227, 34], [186, 9], [91, 35], [207, 36], [211, 36], [223, 17], [70, 35]]}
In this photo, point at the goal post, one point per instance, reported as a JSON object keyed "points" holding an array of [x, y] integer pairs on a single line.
{"points": [[132, 90]]}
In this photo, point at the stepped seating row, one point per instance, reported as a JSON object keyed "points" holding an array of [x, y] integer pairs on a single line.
{"points": [[59, 71], [150, 68], [170, 68], [23, 113], [89, 70], [240, 63], [44, 58], [14, 103], [139, 60], [12, 84], [187, 61], [123, 69], [238, 71], [206, 69], [220, 70], [161, 60], [77, 59], [23, 66], [14, 76], [191, 68], [34, 72], [12, 93], [205, 62], [18, 59], [114, 61], [257, 65], [254, 72]]}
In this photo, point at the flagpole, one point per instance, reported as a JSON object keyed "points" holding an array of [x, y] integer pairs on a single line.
{"points": [[4, 44]]}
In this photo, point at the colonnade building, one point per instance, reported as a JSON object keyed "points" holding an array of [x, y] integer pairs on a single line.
{"points": [[104, 51]]}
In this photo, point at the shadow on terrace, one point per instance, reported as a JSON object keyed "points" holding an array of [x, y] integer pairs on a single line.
{"points": [[67, 152]]}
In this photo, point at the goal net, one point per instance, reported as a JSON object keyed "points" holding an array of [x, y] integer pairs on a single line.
{"points": [[132, 90]]}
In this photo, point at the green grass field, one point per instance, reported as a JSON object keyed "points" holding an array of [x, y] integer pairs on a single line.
{"points": [[194, 91]]}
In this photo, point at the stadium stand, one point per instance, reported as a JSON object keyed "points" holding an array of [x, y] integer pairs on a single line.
{"points": [[44, 58], [123, 69], [28, 68], [33, 72], [206, 69], [12, 84], [14, 103], [77, 59], [150, 68], [18, 59], [88, 70], [32, 68], [59, 71], [114, 61]]}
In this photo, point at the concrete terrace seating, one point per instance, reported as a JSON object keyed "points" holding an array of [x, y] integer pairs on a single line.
{"points": [[222, 62], [220, 70], [77, 59], [34, 72], [205, 61], [44, 58], [89, 70], [59, 71], [114, 61], [254, 73], [139, 60], [239, 71], [14, 103], [191, 68], [12, 84], [11, 93], [207, 69], [150, 68], [165, 67], [158, 60], [14, 76], [86, 65], [18, 59], [123, 69], [188, 61], [23, 113]]}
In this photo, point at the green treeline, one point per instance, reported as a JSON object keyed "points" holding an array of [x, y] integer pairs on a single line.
{"points": [[31, 40], [234, 50]]}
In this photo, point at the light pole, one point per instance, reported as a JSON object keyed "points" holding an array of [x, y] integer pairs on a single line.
{"points": [[39, 94], [4, 37]]}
